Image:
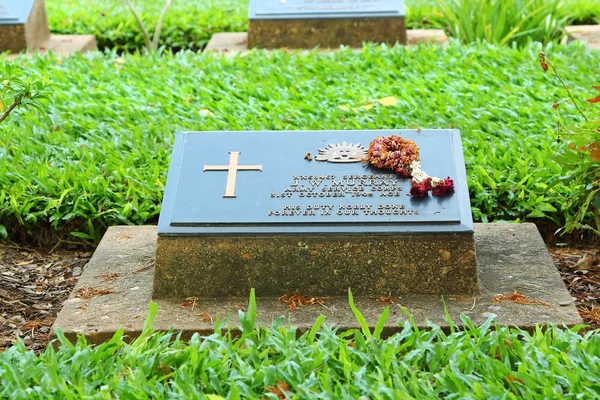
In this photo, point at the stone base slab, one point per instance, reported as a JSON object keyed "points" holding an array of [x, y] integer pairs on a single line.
{"points": [[233, 43], [322, 265], [589, 34], [63, 45], [324, 32], [511, 257]]}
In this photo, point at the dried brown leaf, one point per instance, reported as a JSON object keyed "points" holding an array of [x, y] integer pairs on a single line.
{"points": [[518, 298], [190, 302], [279, 389], [86, 292], [295, 301], [109, 278]]}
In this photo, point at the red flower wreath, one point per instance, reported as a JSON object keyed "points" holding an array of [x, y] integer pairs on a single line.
{"points": [[402, 156]]}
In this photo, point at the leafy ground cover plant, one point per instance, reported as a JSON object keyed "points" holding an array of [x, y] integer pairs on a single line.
{"points": [[581, 160], [191, 23], [99, 157], [151, 45], [477, 362], [18, 90], [188, 25], [504, 22]]}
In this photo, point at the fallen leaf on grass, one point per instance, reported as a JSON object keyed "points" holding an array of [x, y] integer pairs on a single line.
{"points": [[295, 301], [518, 298], [206, 113], [279, 390], [386, 102], [86, 292], [513, 379]]}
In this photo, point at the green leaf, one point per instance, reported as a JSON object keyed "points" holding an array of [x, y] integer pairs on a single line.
{"points": [[381, 323], [364, 325]]}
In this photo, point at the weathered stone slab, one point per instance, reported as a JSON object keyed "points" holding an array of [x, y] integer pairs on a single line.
{"points": [[62, 45], [511, 257], [589, 34], [249, 210], [236, 43], [325, 23], [23, 25], [321, 265]]}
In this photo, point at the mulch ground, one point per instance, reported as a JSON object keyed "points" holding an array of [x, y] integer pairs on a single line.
{"points": [[34, 284]]}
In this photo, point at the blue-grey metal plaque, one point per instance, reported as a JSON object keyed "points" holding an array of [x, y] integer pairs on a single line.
{"points": [[307, 182], [15, 12], [290, 9]]}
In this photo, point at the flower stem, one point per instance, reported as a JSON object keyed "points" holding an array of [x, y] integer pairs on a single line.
{"points": [[555, 72], [9, 109]]}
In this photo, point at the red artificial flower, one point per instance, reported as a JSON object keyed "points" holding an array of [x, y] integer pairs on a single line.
{"points": [[402, 172], [443, 187], [420, 189]]}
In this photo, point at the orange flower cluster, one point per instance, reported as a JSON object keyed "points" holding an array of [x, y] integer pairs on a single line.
{"points": [[402, 156], [393, 152]]}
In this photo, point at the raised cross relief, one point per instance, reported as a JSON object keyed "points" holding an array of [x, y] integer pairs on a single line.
{"points": [[232, 169]]}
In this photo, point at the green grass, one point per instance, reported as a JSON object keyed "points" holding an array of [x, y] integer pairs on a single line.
{"points": [[485, 362], [191, 23], [100, 156], [504, 22]]}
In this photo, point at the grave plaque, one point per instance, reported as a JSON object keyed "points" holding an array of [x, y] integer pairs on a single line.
{"points": [[325, 23], [287, 211], [23, 25]]}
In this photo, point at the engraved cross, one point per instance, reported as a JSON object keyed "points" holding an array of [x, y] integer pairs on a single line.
{"points": [[232, 169]]}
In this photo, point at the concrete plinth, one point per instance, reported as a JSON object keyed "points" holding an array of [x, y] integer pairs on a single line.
{"points": [[233, 43], [63, 45], [589, 34], [334, 32], [323, 265], [27, 33], [510, 257]]}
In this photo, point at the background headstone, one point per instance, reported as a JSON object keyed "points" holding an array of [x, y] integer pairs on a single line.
{"points": [[23, 25], [325, 23]]}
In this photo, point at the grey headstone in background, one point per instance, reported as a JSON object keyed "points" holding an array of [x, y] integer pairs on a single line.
{"points": [[23, 25], [325, 8], [269, 210], [325, 23]]}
